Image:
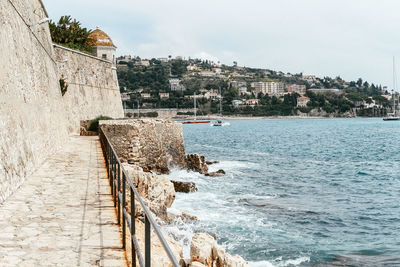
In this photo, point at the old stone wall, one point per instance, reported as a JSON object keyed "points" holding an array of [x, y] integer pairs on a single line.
{"points": [[35, 119], [32, 116], [151, 144], [92, 86]]}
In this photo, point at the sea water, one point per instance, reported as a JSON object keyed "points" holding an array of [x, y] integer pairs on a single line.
{"points": [[297, 192]]}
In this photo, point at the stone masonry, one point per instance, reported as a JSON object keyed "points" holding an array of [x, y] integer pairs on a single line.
{"points": [[154, 145]]}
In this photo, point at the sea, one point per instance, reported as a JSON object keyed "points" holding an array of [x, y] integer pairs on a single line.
{"points": [[297, 192]]}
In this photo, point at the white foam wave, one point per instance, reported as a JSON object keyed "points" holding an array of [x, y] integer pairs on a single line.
{"points": [[279, 263]]}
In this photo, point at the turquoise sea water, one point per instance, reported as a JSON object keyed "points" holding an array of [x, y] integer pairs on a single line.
{"points": [[298, 192]]}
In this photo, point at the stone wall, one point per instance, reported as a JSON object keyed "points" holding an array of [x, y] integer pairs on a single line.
{"points": [[149, 143], [92, 86], [32, 116], [35, 119]]}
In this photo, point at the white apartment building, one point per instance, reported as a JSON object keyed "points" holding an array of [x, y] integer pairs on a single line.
{"points": [[270, 88], [176, 85], [296, 88]]}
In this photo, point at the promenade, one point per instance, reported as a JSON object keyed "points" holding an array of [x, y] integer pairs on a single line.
{"points": [[63, 214]]}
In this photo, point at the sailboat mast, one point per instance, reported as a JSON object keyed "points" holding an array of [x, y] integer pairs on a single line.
{"points": [[194, 99], [394, 87]]}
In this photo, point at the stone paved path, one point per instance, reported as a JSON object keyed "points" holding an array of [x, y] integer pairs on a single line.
{"points": [[63, 214]]}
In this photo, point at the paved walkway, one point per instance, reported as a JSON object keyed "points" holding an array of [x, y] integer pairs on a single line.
{"points": [[63, 214]]}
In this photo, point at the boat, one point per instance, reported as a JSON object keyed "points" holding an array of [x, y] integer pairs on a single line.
{"points": [[220, 122], [392, 116], [195, 113]]}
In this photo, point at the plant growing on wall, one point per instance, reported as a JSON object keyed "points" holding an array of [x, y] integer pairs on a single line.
{"points": [[63, 86], [69, 33]]}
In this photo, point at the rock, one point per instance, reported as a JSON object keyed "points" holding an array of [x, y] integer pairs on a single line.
{"points": [[184, 262], [183, 217], [215, 174], [185, 187], [197, 264], [158, 192], [196, 162], [223, 259], [201, 249], [211, 162]]}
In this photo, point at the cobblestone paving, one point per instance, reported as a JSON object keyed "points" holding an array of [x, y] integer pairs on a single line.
{"points": [[63, 214]]}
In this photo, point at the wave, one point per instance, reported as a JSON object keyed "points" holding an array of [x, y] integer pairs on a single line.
{"points": [[279, 262]]}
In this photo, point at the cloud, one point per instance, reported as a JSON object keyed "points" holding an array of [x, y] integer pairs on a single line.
{"points": [[329, 38]]}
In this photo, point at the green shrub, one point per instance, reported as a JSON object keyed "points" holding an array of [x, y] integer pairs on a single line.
{"points": [[94, 124]]}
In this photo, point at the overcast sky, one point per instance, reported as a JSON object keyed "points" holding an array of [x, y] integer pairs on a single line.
{"points": [[347, 38]]}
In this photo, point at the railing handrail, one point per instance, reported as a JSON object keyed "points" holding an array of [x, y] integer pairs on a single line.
{"points": [[112, 161]]}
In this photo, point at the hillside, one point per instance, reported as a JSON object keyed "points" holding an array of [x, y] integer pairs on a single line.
{"points": [[172, 83]]}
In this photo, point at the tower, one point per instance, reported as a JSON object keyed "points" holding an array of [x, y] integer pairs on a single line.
{"points": [[103, 46]]}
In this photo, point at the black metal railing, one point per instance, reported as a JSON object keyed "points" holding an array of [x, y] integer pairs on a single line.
{"points": [[119, 179]]}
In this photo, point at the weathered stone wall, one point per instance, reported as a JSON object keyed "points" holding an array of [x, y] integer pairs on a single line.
{"points": [[92, 86], [149, 143], [35, 119], [32, 116]]}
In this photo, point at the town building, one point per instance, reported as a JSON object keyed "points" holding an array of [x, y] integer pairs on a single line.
{"points": [[102, 45], [237, 103], [163, 95], [302, 101], [296, 88], [251, 102], [206, 73], [145, 95], [309, 78], [176, 85], [125, 96], [270, 88], [243, 90], [238, 84], [192, 68], [163, 59], [212, 95]]}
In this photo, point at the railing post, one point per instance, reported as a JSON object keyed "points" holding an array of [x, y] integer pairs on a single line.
{"points": [[119, 190], [147, 244], [114, 186], [133, 230], [123, 208]]}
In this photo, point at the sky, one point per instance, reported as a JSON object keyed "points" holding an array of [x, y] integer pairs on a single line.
{"points": [[346, 38]]}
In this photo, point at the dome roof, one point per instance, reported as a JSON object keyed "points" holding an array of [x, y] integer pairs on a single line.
{"points": [[100, 38]]}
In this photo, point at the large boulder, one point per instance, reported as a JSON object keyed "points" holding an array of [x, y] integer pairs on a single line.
{"points": [[184, 187], [197, 163], [158, 192], [201, 249]]}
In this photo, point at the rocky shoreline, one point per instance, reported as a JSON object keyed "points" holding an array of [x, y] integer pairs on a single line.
{"points": [[149, 148]]}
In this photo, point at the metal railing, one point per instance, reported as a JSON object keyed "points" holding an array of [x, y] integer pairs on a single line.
{"points": [[119, 179]]}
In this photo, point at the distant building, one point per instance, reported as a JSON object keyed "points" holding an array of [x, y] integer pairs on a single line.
{"points": [[206, 73], [162, 59], [192, 68], [125, 96], [238, 84], [145, 95], [325, 91], [309, 78], [243, 90], [163, 95], [271, 88], [237, 103], [296, 88], [176, 85], [302, 101], [252, 102], [217, 70], [212, 95], [102, 45]]}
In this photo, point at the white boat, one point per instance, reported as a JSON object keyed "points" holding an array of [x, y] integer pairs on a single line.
{"points": [[220, 122], [392, 116]]}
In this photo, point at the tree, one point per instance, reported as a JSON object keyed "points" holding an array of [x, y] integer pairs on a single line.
{"points": [[69, 33]]}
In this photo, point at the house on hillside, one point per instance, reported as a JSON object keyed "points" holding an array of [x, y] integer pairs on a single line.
{"points": [[302, 101]]}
